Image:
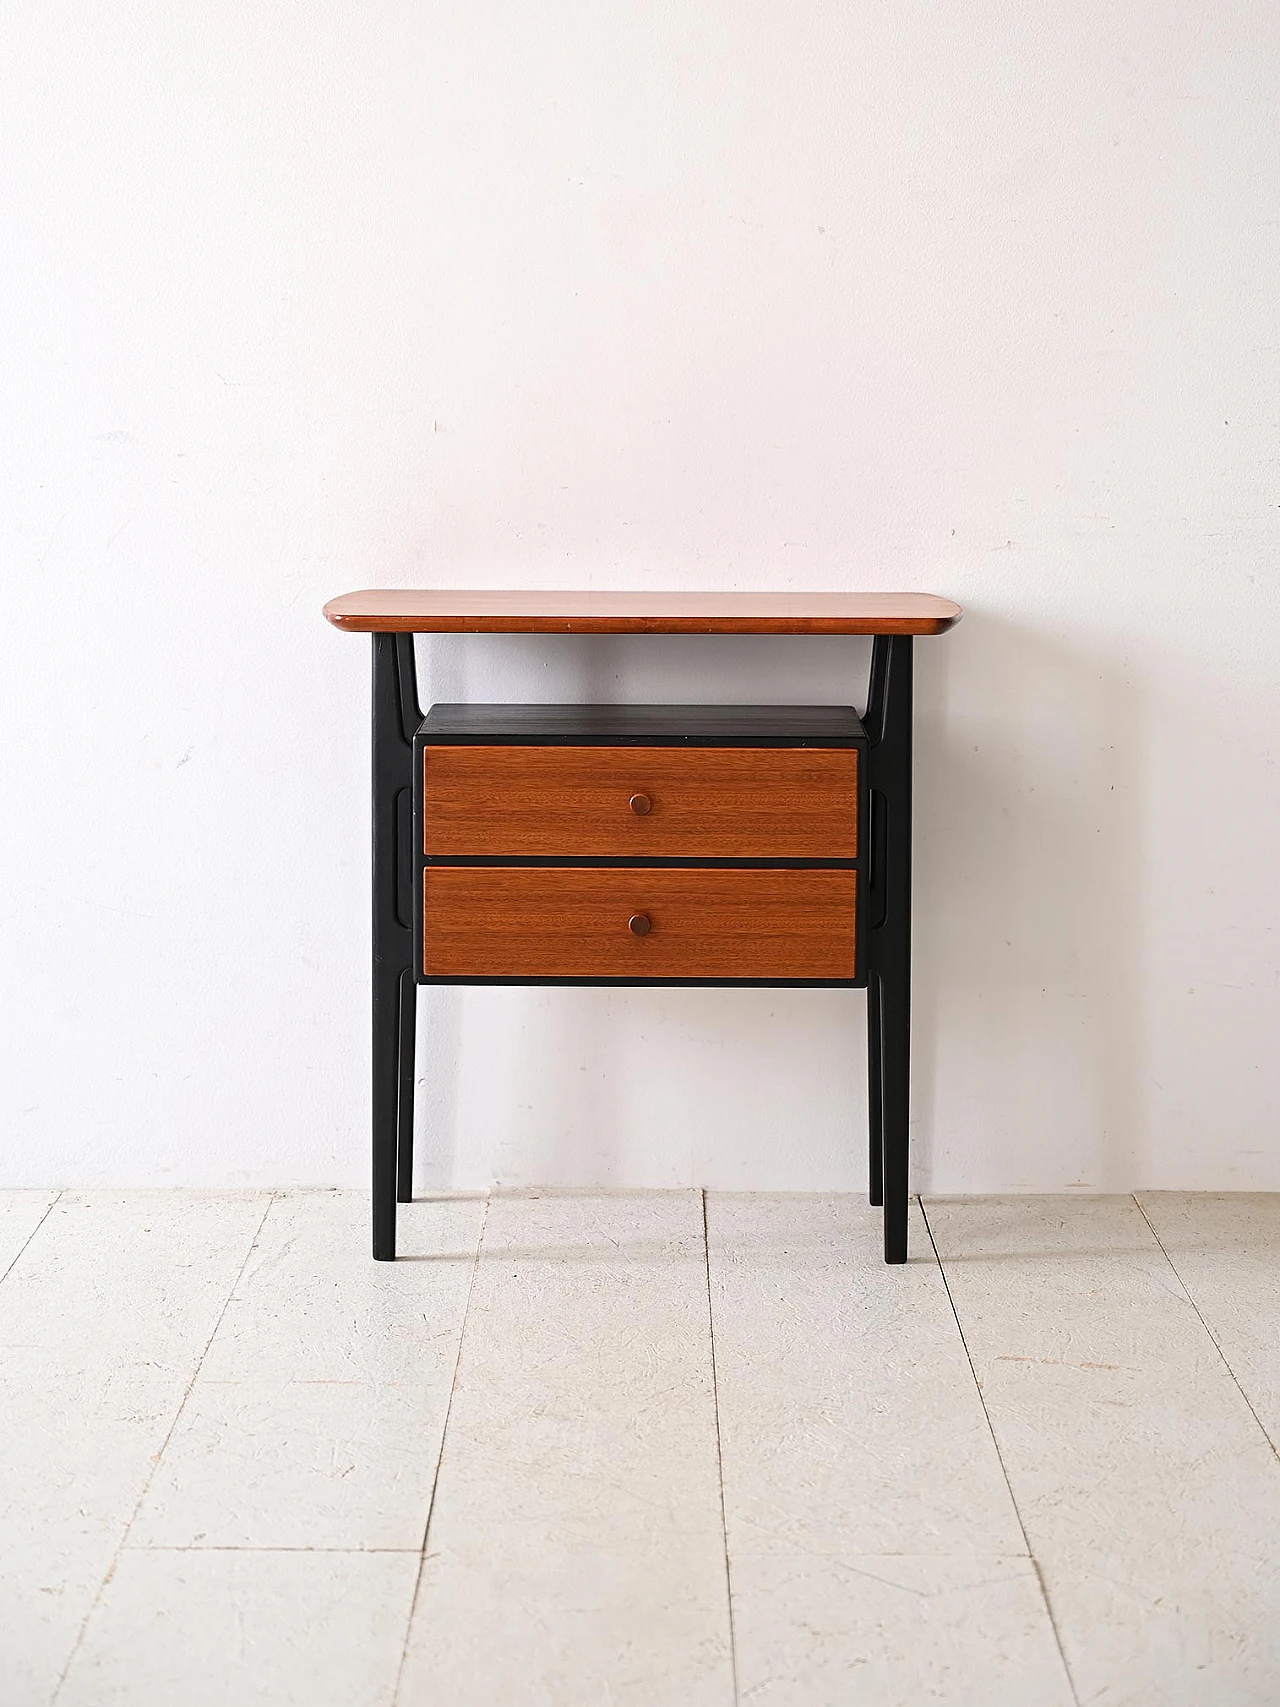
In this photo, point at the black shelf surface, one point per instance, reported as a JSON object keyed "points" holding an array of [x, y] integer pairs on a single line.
{"points": [[646, 725], [655, 983]]}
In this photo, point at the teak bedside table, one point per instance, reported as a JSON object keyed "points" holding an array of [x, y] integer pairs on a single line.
{"points": [[704, 844]]}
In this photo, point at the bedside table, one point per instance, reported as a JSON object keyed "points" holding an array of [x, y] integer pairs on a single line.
{"points": [[707, 845]]}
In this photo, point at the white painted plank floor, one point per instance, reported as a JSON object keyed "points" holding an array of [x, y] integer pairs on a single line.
{"points": [[651, 1449]]}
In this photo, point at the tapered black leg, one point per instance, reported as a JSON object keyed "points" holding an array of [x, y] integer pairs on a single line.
{"points": [[875, 1103], [896, 1023], [404, 1121], [889, 721], [395, 717], [386, 1062]]}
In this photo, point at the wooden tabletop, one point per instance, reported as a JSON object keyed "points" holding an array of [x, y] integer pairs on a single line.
{"points": [[418, 611]]}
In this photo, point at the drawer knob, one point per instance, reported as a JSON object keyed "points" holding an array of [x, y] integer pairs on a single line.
{"points": [[639, 924], [640, 805]]}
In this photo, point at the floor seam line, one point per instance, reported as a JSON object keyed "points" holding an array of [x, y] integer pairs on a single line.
{"points": [[1217, 1346], [123, 1543], [715, 1405], [1004, 1471], [444, 1431], [49, 1209]]}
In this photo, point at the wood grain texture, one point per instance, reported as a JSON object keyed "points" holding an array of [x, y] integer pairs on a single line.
{"points": [[416, 610], [547, 922], [707, 802]]}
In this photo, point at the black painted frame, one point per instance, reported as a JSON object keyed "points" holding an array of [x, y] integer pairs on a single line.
{"points": [[882, 941]]}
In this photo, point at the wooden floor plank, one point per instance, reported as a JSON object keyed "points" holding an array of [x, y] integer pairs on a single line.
{"points": [[1225, 1247], [231, 1629], [318, 1413], [102, 1326], [576, 1550], [21, 1213], [874, 1550], [1149, 1494]]}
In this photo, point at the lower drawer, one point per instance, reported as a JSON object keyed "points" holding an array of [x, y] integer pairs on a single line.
{"points": [[601, 923]]}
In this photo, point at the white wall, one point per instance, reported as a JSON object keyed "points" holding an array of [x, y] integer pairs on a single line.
{"points": [[975, 298]]}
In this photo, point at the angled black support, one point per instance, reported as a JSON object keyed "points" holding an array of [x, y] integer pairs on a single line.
{"points": [[889, 723], [395, 718]]}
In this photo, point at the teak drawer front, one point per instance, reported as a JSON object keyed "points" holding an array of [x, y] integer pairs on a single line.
{"points": [[559, 922], [702, 802]]}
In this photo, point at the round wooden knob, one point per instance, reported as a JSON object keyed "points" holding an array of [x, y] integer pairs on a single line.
{"points": [[640, 804], [639, 924]]}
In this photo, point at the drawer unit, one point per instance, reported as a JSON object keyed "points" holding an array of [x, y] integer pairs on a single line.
{"points": [[639, 802], [638, 923], [655, 844]]}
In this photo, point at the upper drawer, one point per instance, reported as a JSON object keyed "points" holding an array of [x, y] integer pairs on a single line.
{"points": [[621, 802]]}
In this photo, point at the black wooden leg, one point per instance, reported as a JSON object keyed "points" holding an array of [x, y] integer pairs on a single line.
{"points": [[404, 1122], [875, 1104], [386, 1060], [896, 1020], [395, 717], [889, 718]]}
